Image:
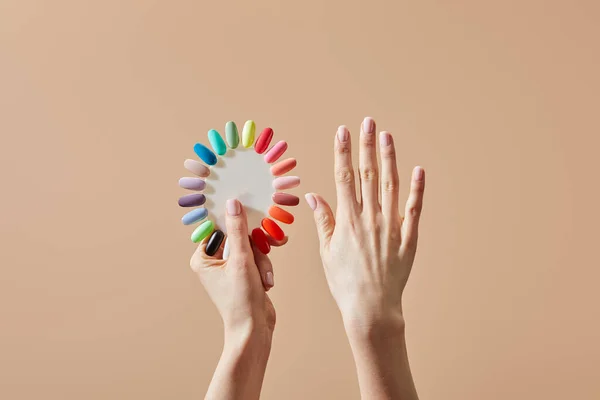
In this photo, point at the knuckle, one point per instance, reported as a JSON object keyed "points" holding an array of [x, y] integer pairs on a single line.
{"points": [[235, 229], [343, 149], [344, 175], [389, 186], [322, 220], [414, 210], [368, 173]]}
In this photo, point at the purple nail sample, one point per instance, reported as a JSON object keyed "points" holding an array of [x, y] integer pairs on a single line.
{"points": [[192, 183], [192, 200]]}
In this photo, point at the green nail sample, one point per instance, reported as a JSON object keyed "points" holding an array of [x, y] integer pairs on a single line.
{"points": [[202, 231], [231, 134]]}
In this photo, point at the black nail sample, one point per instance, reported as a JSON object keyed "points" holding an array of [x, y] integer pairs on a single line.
{"points": [[214, 242]]}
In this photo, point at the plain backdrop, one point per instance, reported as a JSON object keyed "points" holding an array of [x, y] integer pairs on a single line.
{"points": [[101, 101]]}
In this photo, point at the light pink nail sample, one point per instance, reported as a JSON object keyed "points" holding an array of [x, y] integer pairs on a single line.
{"points": [[276, 151], [192, 183], [196, 167], [286, 182]]}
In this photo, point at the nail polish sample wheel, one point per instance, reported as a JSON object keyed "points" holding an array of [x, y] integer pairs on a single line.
{"points": [[239, 167]]}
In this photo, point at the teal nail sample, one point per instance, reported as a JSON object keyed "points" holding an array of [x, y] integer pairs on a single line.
{"points": [[217, 143], [231, 134], [205, 154]]}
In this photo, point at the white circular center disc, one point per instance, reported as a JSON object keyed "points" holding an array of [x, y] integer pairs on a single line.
{"points": [[240, 174]]}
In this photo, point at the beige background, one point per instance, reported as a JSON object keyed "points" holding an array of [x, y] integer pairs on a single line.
{"points": [[100, 102]]}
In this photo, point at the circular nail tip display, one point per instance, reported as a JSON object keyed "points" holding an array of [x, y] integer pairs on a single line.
{"points": [[194, 216], [276, 151], [205, 154], [260, 241], [283, 167], [281, 215], [286, 182], [273, 229], [248, 134], [231, 135], [196, 168], [192, 200], [202, 231], [217, 143], [263, 141], [285, 199], [192, 183], [214, 242]]}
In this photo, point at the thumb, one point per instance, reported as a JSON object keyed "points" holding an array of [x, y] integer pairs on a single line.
{"points": [[323, 217], [237, 229]]}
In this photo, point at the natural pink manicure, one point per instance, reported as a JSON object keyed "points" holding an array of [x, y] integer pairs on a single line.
{"points": [[343, 134], [418, 174], [368, 125], [233, 207], [310, 199], [385, 139]]}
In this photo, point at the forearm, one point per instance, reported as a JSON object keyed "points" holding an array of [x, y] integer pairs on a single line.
{"points": [[241, 369], [381, 359]]}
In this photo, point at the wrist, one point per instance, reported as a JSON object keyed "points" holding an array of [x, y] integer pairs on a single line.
{"points": [[248, 337], [374, 326]]}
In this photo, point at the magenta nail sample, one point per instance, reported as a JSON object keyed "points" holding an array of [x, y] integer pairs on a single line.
{"points": [[286, 182], [192, 200], [276, 151], [192, 183]]}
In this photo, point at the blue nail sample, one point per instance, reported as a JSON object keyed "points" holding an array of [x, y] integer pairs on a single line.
{"points": [[194, 216], [205, 154]]}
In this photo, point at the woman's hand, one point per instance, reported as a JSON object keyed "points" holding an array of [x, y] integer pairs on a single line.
{"points": [[237, 286], [368, 250]]}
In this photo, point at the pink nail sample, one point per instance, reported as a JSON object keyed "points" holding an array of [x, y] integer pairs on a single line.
{"points": [[286, 182], [196, 167], [276, 151]]}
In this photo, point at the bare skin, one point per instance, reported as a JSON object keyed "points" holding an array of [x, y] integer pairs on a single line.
{"points": [[368, 249]]}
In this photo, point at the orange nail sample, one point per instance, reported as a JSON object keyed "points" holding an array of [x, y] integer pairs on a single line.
{"points": [[273, 229], [283, 166], [281, 215]]}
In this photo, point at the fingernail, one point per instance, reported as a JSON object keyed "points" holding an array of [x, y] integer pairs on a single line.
{"points": [[342, 134], [310, 199], [368, 125], [385, 139], [418, 174], [233, 207], [269, 279]]}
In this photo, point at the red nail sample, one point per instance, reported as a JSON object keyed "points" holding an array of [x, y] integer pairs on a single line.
{"points": [[260, 241], [263, 141]]}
